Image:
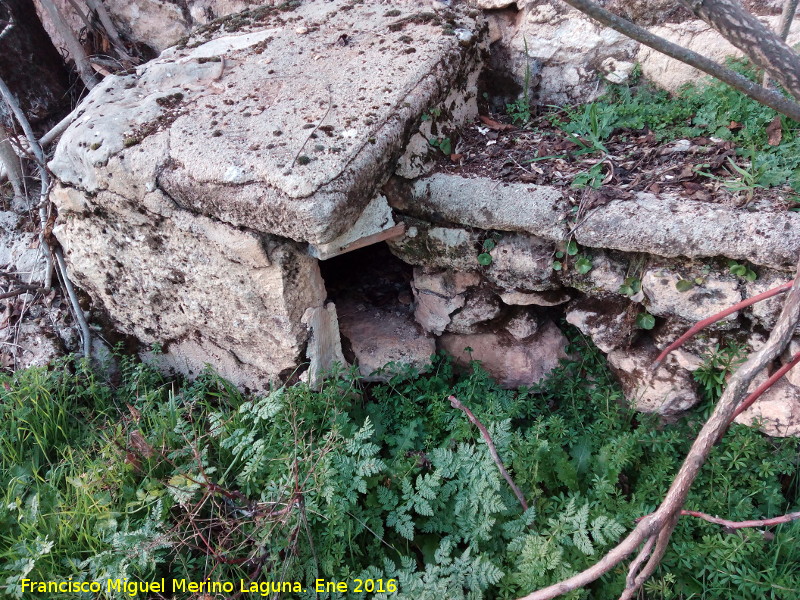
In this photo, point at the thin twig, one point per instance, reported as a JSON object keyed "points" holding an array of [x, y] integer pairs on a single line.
{"points": [[662, 521], [44, 176], [313, 131], [86, 335], [700, 325], [456, 403], [747, 402], [787, 518]]}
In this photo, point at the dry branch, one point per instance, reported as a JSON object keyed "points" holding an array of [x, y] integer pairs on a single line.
{"points": [[73, 45], [767, 97], [456, 403], [700, 325], [787, 518], [659, 525], [787, 16]]}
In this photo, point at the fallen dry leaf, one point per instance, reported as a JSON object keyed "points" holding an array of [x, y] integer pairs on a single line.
{"points": [[774, 131], [496, 125]]}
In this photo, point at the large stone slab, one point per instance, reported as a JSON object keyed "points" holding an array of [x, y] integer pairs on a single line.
{"points": [[192, 191], [207, 292], [673, 227], [282, 122], [488, 204]]}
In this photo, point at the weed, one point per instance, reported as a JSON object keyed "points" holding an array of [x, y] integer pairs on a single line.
{"points": [[717, 365], [150, 479], [742, 271], [520, 109], [644, 320], [443, 144]]}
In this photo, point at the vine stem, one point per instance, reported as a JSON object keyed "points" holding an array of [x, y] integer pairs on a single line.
{"points": [[456, 403]]}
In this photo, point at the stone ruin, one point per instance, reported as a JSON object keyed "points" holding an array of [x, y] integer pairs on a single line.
{"points": [[264, 197]]}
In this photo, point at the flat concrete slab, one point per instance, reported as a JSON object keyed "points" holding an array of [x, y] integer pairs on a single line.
{"points": [[285, 122]]}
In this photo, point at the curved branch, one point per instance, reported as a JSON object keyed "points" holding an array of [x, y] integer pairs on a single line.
{"points": [[663, 519], [767, 97], [456, 403]]}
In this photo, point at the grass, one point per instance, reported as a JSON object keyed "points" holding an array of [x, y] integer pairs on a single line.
{"points": [[706, 109], [146, 478]]}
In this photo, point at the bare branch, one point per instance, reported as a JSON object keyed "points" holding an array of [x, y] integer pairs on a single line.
{"points": [[787, 16], [456, 403], [662, 521], [86, 335], [73, 45], [700, 325], [770, 98], [787, 518], [98, 7], [752, 37], [44, 176]]}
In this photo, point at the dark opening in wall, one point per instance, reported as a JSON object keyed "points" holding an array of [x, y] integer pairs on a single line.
{"points": [[371, 289]]}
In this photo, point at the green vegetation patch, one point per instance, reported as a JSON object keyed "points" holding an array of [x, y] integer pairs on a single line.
{"points": [[142, 478]]}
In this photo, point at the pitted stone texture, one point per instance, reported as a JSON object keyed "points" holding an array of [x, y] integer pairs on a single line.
{"points": [[206, 291], [480, 306], [553, 298], [777, 411], [488, 204], [714, 295], [438, 294], [766, 312], [510, 362], [667, 391], [378, 337], [670, 227], [523, 262], [522, 325], [437, 247], [225, 127], [608, 322]]}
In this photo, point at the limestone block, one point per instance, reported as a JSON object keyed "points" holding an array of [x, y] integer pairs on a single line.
{"points": [[715, 294], [672, 227], [522, 325], [777, 411], [488, 204], [206, 291], [667, 391], [378, 337], [480, 306], [608, 322], [766, 312], [237, 126], [437, 247], [513, 363], [552, 298], [522, 262]]}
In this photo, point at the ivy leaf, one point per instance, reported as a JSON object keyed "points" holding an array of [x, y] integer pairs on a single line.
{"points": [[645, 321], [572, 248], [583, 265], [684, 285], [446, 146], [484, 259]]}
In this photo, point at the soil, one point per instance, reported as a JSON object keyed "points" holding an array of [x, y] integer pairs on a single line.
{"points": [[635, 162]]}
